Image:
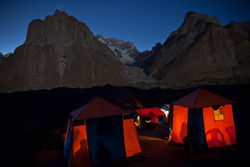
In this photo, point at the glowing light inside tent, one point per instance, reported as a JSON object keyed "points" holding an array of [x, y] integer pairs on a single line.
{"points": [[148, 121], [137, 122], [166, 112], [219, 114]]}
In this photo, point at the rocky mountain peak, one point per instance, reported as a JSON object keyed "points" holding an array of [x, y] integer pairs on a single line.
{"points": [[193, 28], [59, 29], [193, 18], [60, 13], [195, 22]]}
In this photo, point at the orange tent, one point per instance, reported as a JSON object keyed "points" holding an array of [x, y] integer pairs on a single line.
{"points": [[98, 133], [204, 117]]}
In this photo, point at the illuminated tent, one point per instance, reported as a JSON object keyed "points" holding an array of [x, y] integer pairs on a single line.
{"points": [[99, 132], [155, 114], [206, 118]]}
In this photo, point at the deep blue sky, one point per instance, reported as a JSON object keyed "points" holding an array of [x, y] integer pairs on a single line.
{"points": [[143, 22]]}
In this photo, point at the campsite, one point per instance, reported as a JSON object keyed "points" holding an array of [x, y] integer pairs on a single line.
{"points": [[36, 125], [135, 83]]}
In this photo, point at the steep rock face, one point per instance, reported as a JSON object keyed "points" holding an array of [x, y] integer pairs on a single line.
{"points": [[144, 59], [203, 52], [124, 50], [60, 52]]}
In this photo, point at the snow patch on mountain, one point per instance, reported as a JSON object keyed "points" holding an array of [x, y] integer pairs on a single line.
{"points": [[128, 55], [125, 51]]}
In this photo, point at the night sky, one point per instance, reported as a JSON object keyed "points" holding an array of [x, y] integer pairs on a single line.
{"points": [[143, 22]]}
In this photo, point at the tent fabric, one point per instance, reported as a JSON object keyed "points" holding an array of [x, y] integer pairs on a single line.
{"points": [[179, 127], [196, 129], [132, 146], [219, 133], [74, 114], [68, 142], [170, 124], [112, 143], [68, 129], [240, 125], [80, 153], [152, 113], [202, 98], [98, 121], [97, 107]]}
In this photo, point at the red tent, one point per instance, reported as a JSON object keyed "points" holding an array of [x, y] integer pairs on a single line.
{"points": [[97, 124], [152, 113], [202, 112]]}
